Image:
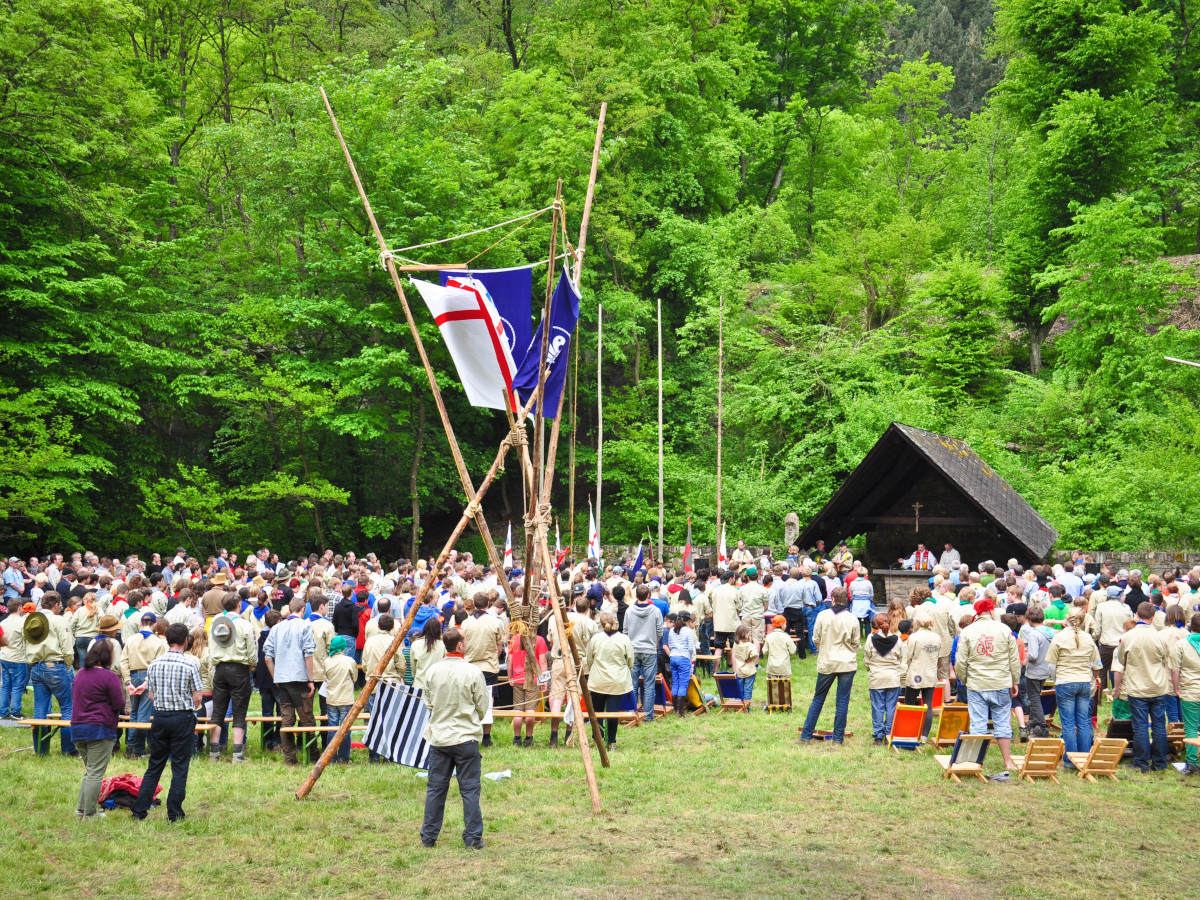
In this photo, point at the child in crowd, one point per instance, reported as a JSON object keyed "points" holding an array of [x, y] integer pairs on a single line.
{"points": [[960, 687], [745, 660], [778, 649], [340, 673], [921, 651], [680, 642], [1036, 637], [884, 655]]}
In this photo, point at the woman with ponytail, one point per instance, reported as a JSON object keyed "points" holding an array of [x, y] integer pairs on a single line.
{"points": [[1076, 659]]}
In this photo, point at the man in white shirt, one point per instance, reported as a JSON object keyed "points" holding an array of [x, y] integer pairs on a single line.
{"points": [[950, 558]]}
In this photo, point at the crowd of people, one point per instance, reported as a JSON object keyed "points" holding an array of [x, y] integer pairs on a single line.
{"points": [[176, 642]]}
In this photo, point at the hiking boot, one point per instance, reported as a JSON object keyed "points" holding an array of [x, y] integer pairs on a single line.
{"points": [[878, 742], [529, 741], [214, 757], [487, 741], [517, 741], [476, 845], [240, 758], [554, 740], [1024, 735]]}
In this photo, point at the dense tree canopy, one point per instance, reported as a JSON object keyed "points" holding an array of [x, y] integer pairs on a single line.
{"points": [[965, 218]]}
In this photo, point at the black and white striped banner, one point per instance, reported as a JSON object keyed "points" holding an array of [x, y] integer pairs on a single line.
{"points": [[398, 720]]}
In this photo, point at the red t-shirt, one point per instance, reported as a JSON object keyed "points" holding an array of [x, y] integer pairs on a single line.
{"points": [[516, 658]]}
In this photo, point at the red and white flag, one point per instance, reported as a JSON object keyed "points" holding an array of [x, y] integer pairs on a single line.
{"points": [[687, 550], [593, 535], [508, 561], [722, 553], [559, 553], [474, 335]]}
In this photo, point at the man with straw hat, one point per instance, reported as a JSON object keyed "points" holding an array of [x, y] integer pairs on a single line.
{"points": [[212, 599], [49, 651]]}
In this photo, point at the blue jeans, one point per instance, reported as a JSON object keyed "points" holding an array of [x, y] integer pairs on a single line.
{"points": [[1075, 714], [883, 708], [1174, 710], [646, 665], [810, 617], [747, 686], [141, 708], [845, 680], [1149, 714], [994, 705], [52, 681], [337, 714], [681, 675], [13, 678]]}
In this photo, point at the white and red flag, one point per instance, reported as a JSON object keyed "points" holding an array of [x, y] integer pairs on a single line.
{"points": [[508, 555], [687, 550], [722, 553], [474, 335]]}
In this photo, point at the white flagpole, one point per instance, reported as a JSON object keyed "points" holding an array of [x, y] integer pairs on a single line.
{"points": [[660, 432], [599, 412]]}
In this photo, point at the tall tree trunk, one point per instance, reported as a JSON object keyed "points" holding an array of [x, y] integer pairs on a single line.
{"points": [[1037, 336]]}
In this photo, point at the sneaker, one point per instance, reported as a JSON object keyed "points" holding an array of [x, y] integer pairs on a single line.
{"points": [[98, 814], [1024, 735], [529, 742], [214, 757], [1191, 770], [428, 845], [878, 742], [517, 741], [240, 758], [476, 845]]}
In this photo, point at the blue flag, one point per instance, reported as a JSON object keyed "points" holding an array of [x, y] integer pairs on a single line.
{"points": [[564, 314], [637, 563], [511, 291]]}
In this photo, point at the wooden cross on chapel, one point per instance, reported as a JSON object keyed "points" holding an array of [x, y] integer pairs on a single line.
{"points": [[916, 517]]}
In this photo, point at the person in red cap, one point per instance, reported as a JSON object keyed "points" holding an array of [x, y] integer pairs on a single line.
{"points": [[989, 663]]}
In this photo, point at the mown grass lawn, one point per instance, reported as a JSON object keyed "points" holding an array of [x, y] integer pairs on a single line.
{"points": [[714, 806]]}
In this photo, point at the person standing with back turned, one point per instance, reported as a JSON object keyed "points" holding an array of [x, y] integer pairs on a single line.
{"points": [[457, 697]]}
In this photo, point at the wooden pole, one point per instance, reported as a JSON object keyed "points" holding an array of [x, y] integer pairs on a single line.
{"points": [[398, 638], [660, 432], [574, 432], [720, 399], [599, 415], [591, 193], [464, 476]]}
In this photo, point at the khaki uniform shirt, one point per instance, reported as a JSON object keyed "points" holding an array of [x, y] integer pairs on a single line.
{"points": [[1073, 665], [946, 613], [752, 598], [340, 674], [138, 653], [373, 651], [1109, 623], [211, 602], [987, 658], [724, 600], [322, 630], [482, 634], [56, 648], [608, 662], [458, 698], [745, 659], [423, 659], [242, 649], [778, 650], [182, 615], [13, 626], [837, 639], [84, 623], [1143, 653], [923, 649], [885, 672], [1186, 661]]}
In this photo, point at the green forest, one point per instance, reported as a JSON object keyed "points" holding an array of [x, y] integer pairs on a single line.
{"points": [[980, 219]]}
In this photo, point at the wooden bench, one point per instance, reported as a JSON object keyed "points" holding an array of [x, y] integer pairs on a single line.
{"points": [[312, 733]]}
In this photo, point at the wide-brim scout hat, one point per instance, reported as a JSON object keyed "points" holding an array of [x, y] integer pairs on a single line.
{"points": [[222, 631], [37, 627], [109, 625]]}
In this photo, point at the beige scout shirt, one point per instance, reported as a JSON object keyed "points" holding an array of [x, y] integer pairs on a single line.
{"points": [[752, 598], [242, 649], [138, 653], [56, 648], [724, 598], [837, 639], [423, 659], [609, 662], [1143, 653], [85, 623], [322, 630], [1109, 623], [778, 650], [13, 627], [481, 634], [458, 698], [884, 672], [373, 650], [923, 649], [946, 612], [745, 659], [987, 658], [340, 674], [1186, 661], [1073, 665]]}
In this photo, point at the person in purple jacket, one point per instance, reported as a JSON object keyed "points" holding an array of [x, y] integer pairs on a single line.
{"points": [[97, 700]]}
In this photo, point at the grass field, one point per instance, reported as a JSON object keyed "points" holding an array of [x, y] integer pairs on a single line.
{"points": [[713, 806]]}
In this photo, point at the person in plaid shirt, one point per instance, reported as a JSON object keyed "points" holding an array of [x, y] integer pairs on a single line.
{"points": [[173, 681]]}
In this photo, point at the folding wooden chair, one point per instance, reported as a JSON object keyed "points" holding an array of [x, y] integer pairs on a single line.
{"points": [[1120, 730], [730, 693], [695, 697], [662, 696], [939, 697], [1103, 759], [907, 725], [1050, 708], [953, 719], [779, 693], [1175, 737], [966, 758], [1041, 759]]}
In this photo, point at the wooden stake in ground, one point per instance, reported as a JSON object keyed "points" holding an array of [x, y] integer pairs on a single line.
{"points": [[464, 476]]}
